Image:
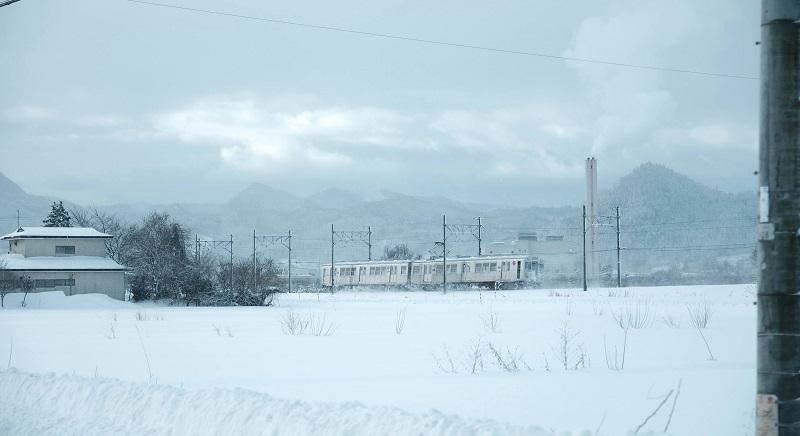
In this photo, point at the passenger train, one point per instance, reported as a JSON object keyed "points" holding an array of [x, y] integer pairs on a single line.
{"points": [[501, 271]]}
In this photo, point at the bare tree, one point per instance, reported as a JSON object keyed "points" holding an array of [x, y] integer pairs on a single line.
{"points": [[249, 289], [25, 285], [7, 282], [120, 246], [399, 252]]}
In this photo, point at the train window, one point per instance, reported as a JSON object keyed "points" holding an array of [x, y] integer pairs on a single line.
{"points": [[465, 268], [415, 269], [453, 268], [492, 267], [402, 269]]}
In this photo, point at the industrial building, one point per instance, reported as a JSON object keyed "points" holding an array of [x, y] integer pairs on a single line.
{"points": [[556, 254]]}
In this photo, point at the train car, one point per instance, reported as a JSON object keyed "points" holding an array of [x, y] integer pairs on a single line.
{"points": [[502, 271], [367, 273]]}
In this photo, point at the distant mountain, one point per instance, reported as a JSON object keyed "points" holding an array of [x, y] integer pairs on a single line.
{"points": [[334, 198], [667, 219], [654, 193], [32, 208], [260, 198]]}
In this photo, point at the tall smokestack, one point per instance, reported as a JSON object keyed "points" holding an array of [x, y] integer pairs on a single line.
{"points": [[592, 267]]}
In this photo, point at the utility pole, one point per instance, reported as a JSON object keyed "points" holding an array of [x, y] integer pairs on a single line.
{"points": [[290, 261], [331, 258], [479, 236], [619, 264], [778, 364], [18, 226], [584, 248], [444, 254], [231, 262], [369, 242], [255, 264]]}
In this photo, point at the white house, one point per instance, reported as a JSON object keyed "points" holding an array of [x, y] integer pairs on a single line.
{"points": [[69, 259]]}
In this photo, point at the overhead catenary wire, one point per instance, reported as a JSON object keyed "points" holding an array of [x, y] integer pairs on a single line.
{"points": [[7, 2], [447, 43]]}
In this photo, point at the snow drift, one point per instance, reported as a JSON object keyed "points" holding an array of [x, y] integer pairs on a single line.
{"points": [[57, 300], [51, 404]]}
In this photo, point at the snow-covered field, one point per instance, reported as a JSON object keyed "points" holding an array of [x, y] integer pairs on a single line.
{"points": [[415, 362]]}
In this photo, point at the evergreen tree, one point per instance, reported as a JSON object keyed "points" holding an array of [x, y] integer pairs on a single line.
{"points": [[58, 216]]}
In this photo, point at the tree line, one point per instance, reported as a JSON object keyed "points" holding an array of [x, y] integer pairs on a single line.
{"points": [[161, 266]]}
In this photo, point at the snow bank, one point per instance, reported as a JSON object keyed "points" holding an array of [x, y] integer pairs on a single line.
{"points": [[71, 405], [57, 300]]}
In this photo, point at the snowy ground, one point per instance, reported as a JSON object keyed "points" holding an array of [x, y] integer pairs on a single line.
{"points": [[398, 378]]}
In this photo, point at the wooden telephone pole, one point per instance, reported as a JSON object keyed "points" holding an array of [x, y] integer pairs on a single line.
{"points": [[778, 380]]}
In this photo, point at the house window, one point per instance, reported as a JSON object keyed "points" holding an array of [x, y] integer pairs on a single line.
{"points": [[52, 283], [65, 250]]}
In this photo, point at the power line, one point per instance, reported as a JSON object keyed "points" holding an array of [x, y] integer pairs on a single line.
{"points": [[448, 44], [7, 2]]}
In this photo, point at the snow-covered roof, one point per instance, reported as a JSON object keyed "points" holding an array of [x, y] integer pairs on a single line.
{"points": [[56, 232], [17, 262]]}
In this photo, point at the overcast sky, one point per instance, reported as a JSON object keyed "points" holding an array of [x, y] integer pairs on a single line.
{"points": [[105, 101]]}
